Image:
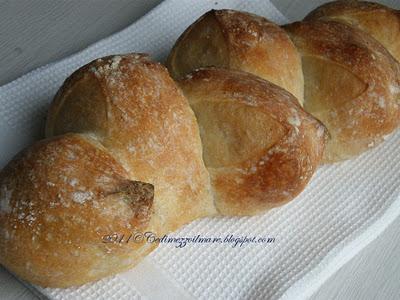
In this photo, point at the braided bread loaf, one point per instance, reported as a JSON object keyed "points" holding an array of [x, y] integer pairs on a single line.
{"points": [[260, 147], [128, 150], [351, 85], [242, 41], [381, 22], [125, 157], [351, 82]]}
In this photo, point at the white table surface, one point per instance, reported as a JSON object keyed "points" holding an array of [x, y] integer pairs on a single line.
{"points": [[36, 32]]}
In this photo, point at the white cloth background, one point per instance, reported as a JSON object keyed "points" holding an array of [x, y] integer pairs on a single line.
{"points": [[344, 208]]}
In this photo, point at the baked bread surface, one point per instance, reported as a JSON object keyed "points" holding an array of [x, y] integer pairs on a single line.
{"points": [[123, 158], [380, 21], [128, 152], [260, 147], [351, 85], [59, 198], [132, 106], [240, 41]]}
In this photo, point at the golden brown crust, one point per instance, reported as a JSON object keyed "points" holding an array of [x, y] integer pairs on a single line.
{"points": [[58, 199], [124, 155], [351, 85], [381, 22], [132, 106], [126, 159], [271, 146], [242, 41]]}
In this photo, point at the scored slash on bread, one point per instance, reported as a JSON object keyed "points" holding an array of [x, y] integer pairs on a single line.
{"points": [[379, 21], [128, 150], [64, 194], [241, 41], [260, 147], [351, 85], [127, 117]]}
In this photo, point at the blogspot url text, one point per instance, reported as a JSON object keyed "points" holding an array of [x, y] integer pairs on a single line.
{"points": [[181, 242]]}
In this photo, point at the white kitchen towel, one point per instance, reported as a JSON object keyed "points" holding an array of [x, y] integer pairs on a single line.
{"points": [[344, 208]]}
